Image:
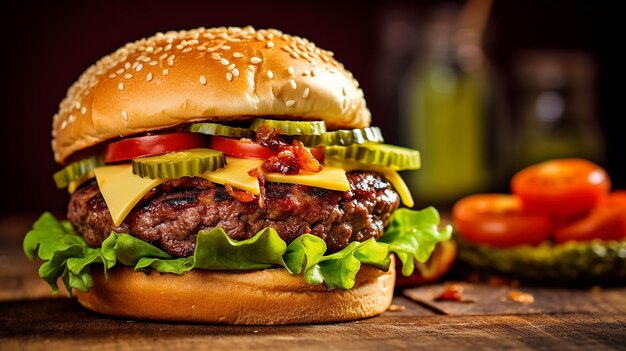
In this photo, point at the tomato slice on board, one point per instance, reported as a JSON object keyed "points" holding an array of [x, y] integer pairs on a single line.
{"points": [[615, 198], [148, 145], [246, 148], [562, 187], [498, 220], [603, 222]]}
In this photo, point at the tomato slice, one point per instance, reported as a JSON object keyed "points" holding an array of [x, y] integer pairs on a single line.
{"points": [[246, 148], [604, 222], [616, 198], [129, 148], [498, 220], [561, 188]]}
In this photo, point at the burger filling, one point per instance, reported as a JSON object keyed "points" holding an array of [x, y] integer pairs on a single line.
{"points": [[170, 215]]}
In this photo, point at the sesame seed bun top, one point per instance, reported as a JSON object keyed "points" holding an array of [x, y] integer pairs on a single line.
{"points": [[217, 74]]}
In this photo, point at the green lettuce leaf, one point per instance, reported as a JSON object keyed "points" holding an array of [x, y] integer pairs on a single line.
{"points": [[412, 236]]}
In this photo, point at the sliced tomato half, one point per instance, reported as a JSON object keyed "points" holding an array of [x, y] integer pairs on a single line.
{"points": [[561, 188], [147, 145], [246, 148], [604, 222], [498, 220]]}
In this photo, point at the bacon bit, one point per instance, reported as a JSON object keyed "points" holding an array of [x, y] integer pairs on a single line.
{"points": [[238, 194], [396, 308], [451, 292], [307, 161], [269, 137], [521, 297], [290, 158], [261, 178]]}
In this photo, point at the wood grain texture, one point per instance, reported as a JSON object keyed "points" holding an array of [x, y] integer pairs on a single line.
{"points": [[60, 324], [488, 299]]}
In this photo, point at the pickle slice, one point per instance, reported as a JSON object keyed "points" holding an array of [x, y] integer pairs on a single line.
{"points": [[76, 170], [177, 164], [220, 130], [391, 156], [343, 137], [291, 127]]}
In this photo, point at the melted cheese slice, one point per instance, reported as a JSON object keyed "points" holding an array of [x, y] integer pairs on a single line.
{"points": [[122, 189]]}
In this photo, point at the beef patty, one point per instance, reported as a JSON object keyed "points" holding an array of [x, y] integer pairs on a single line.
{"points": [[171, 215]]}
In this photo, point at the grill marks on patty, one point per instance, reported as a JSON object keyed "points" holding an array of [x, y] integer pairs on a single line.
{"points": [[170, 215]]}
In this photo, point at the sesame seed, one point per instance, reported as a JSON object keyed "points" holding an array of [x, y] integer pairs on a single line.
{"points": [[71, 119], [236, 72], [231, 66], [119, 71], [112, 75], [83, 110], [225, 62], [164, 56], [255, 60], [270, 74], [135, 64], [193, 42], [291, 71], [225, 47], [158, 50], [153, 63], [306, 93], [168, 47], [293, 84], [149, 77], [270, 44], [306, 72], [237, 55], [201, 48], [127, 66], [343, 91], [166, 72], [216, 56], [179, 47], [295, 54], [124, 115], [229, 76], [128, 76], [290, 103], [149, 49], [203, 80], [120, 86], [139, 67], [63, 124], [187, 50]]}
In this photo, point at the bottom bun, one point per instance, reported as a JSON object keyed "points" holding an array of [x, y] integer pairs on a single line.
{"points": [[270, 296]]}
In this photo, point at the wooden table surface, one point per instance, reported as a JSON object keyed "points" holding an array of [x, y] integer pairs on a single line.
{"points": [[559, 319]]}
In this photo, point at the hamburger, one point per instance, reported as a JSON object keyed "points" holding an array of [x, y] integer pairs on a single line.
{"points": [[228, 175]]}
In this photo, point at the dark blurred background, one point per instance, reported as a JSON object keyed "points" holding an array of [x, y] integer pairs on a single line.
{"points": [[481, 90]]}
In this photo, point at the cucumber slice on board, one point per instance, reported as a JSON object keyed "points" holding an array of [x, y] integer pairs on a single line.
{"points": [[391, 156], [571, 263], [220, 130], [177, 164], [76, 170], [343, 137], [291, 127]]}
